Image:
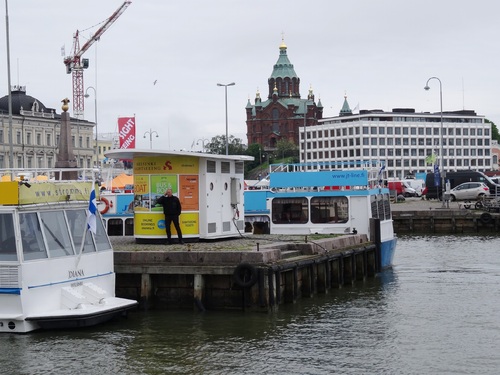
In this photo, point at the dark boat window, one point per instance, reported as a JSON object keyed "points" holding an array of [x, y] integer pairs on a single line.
{"points": [[290, 210], [31, 235], [329, 210], [381, 206], [101, 239], [7, 238], [77, 220], [56, 233]]}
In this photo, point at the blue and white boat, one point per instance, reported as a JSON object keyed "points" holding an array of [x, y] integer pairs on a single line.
{"points": [[54, 272], [326, 198]]}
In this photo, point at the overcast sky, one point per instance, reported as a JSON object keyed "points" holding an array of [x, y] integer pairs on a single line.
{"points": [[380, 53]]}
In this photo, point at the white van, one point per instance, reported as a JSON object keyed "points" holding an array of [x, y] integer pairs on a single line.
{"points": [[417, 185]]}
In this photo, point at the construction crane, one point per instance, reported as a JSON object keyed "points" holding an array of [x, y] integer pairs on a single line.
{"points": [[75, 64]]}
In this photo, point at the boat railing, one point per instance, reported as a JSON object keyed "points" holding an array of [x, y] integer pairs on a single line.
{"points": [[327, 166], [45, 174]]}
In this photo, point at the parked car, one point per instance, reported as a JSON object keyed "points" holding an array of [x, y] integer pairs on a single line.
{"points": [[469, 190], [434, 189], [401, 188], [417, 185]]}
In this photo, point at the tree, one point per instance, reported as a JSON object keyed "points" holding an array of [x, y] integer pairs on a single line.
{"points": [[218, 145], [285, 148], [253, 150], [494, 130]]}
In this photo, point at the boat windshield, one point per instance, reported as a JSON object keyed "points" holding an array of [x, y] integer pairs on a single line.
{"points": [[59, 233], [7, 238]]}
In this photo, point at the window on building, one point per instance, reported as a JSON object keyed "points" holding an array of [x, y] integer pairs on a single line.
{"points": [[28, 138], [365, 130], [39, 139]]}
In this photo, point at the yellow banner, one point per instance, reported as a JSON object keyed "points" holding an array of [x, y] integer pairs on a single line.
{"points": [[171, 164], [9, 193], [154, 224], [57, 191]]}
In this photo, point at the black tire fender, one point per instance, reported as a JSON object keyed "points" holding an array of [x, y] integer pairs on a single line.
{"points": [[245, 275], [485, 218]]}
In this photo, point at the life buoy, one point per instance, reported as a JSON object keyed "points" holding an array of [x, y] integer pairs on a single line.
{"points": [[245, 275], [107, 206], [485, 218]]}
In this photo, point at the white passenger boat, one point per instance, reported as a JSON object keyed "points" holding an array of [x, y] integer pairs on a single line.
{"points": [[324, 198], [55, 272]]}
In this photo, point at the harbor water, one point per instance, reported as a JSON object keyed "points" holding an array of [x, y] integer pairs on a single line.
{"points": [[436, 312]]}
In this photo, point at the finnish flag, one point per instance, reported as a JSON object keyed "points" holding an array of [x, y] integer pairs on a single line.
{"points": [[91, 214]]}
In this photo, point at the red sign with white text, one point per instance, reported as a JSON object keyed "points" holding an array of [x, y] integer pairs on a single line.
{"points": [[126, 132]]}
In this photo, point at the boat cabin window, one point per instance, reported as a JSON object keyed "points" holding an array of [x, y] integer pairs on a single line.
{"points": [[101, 239], [290, 210], [329, 210], [56, 233], [7, 238], [31, 235], [77, 220], [381, 206]]}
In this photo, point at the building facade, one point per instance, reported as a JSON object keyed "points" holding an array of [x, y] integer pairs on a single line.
{"points": [[280, 116], [35, 134], [407, 142]]}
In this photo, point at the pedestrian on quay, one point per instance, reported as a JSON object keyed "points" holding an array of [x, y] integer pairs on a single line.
{"points": [[172, 210]]}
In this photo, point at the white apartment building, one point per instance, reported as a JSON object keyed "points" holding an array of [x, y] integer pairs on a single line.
{"points": [[402, 139]]}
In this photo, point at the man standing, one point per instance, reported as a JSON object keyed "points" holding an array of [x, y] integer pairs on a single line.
{"points": [[172, 209]]}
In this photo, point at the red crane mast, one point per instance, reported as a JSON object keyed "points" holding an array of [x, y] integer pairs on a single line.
{"points": [[75, 64]]}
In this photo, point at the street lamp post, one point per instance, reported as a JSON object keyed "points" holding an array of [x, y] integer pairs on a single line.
{"points": [[441, 161], [150, 132], [96, 153], [225, 91], [9, 90]]}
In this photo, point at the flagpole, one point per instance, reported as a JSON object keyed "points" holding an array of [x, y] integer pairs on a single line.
{"points": [[91, 220]]}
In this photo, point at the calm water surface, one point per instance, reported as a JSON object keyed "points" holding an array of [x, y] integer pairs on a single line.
{"points": [[436, 312]]}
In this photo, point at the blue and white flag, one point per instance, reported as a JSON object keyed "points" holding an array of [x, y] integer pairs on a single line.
{"points": [[380, 174], [91, 214]]}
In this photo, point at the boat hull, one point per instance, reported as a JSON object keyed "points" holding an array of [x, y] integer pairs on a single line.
{"points": [[387, 251], [85, 317]]}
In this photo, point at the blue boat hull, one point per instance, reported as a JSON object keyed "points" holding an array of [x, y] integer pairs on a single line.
{"points": [[387, 250]]}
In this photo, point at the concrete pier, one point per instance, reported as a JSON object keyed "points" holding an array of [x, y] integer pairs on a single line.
{"points": [[239, 274]]}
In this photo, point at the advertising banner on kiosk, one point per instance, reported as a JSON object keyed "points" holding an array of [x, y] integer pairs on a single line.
{"points": [[153, 175]]}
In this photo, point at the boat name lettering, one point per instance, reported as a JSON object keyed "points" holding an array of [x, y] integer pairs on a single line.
{"points": [[79, 283], [75, 273]]}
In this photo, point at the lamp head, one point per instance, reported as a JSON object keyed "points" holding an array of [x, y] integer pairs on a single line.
{"points": [[426, 88], [86, 95]]}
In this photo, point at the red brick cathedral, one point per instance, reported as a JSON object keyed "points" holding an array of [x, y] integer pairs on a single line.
{"points": [[284, 112]]}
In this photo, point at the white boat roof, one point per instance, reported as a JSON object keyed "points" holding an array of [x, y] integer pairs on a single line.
{"points": [[134, 152]]}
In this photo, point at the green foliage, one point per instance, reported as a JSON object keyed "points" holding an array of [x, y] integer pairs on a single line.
{"points": [[494, 130], [285, 148], [218, 145]]}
